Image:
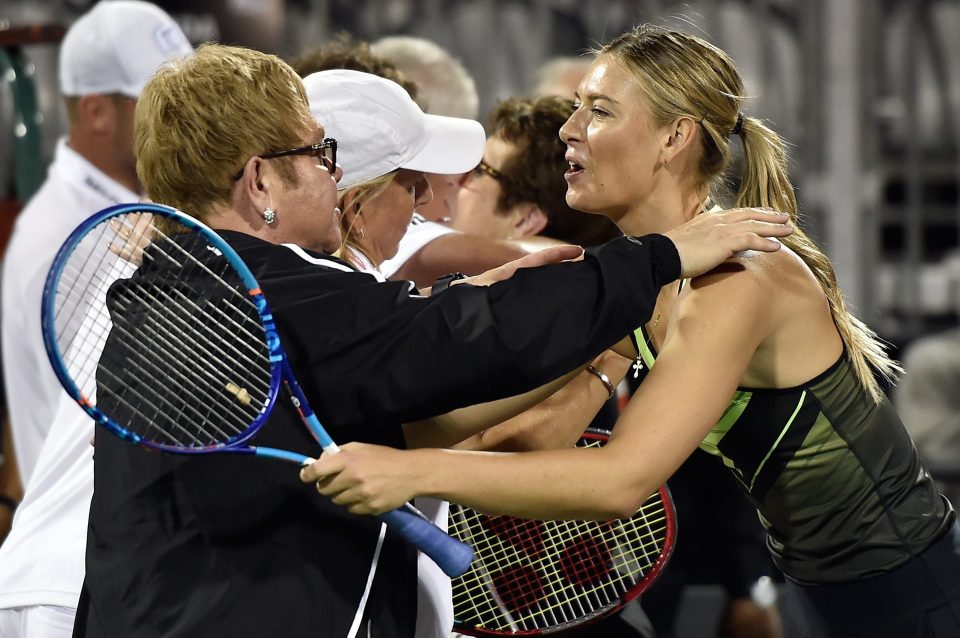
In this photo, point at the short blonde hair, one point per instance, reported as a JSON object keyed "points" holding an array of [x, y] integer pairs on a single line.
{"points": [[201, 118], [353, 199]]}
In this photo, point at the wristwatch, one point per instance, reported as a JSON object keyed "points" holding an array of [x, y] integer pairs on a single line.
{"points": [[442, 283]]}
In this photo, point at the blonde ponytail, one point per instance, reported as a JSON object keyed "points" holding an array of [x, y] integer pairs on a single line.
{"points": [[765, 182], [684, 76]]}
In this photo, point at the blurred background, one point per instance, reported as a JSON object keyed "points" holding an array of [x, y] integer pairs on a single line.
{"points": [[867, 92]]}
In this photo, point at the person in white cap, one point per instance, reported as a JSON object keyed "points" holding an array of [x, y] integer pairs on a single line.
{"points": [[432, 248], [107, 56], [388, 144], [428, 249]]}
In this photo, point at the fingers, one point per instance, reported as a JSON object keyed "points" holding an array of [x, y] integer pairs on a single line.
{"points": [[761, 214], [763, 244], [326, 466], [552, 255]]}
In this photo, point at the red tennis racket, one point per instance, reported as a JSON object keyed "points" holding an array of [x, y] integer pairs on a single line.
{"points": [[530, 577]]}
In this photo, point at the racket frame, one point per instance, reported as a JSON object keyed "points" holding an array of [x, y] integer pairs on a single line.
{"points": [[451, 555]]}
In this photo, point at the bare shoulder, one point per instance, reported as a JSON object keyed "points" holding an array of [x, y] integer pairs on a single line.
{"points": [[781, 272], [777, 296], [766, 291]]}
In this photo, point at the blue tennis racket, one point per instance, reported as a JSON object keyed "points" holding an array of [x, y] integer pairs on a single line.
{"points": [[195, 363]]}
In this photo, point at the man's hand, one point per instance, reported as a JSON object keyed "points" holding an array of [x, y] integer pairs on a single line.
{"points": [[709, 239]]}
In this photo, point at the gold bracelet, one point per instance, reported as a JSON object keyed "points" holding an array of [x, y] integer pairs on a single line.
{"points": [[604, 379]]}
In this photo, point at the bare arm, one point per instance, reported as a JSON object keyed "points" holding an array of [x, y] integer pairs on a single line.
{"points": [[558, 420], [448, 430], [711, 341], [456, 252]]}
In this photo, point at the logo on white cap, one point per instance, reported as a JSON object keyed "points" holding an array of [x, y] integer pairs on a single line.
{"points": [[117, 46]]}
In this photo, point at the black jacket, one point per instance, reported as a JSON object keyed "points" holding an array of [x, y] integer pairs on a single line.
{"points": [[221, 545]]}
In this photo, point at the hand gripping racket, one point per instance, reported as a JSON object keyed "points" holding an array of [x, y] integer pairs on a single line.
{"points": [[537, 577], [157, 328]]}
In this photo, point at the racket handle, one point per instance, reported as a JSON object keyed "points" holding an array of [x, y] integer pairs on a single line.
{"points": [[451, 555]]}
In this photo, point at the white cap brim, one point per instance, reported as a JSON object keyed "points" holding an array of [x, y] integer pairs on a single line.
{"points": [[455, 146]]}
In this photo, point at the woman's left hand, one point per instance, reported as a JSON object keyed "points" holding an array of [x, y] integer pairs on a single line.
{"points": [[366, 479]]}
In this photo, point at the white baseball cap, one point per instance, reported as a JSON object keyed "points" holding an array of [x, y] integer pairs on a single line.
{"points": [[379, 128], [116, 47]]}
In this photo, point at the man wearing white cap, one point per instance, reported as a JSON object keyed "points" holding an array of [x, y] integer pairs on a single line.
{"points": [[106, 57]]}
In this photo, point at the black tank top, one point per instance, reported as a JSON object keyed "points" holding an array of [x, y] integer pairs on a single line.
{"points": [[835, 478]]}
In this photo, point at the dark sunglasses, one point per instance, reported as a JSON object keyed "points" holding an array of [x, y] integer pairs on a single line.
{"points": [[325, 151]]}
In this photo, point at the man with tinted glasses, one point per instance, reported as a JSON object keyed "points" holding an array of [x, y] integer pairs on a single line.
{"points": [[219, 545]]}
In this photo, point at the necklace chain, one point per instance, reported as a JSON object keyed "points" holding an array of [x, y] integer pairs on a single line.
{"points": [[638, 364]]}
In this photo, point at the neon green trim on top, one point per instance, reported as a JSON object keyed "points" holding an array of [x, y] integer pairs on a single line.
{"points": [[730, 416], [776, 443]]}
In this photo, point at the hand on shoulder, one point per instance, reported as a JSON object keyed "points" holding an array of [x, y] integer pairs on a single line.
{"points": [[711, 238]]}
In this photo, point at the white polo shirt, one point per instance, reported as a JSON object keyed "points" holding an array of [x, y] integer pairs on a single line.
{"points": [[41, 561], [419, 233], [74, 190]]}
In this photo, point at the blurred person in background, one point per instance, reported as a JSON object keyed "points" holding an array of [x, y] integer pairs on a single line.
{"points": [[928, 395], [107, 56], [444, 87], [517, 191], [561, 76]]}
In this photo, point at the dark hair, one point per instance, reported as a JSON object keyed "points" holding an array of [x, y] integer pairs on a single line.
{"points": [[355, 55], [534, 173]]}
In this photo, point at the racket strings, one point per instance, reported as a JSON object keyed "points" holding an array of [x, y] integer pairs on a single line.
{"points": [[194, 333], [544, 588], [627, 530], [177, 334], [207, 355], [546, 575], [81, 322]]}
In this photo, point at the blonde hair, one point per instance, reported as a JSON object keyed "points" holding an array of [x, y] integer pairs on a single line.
{"points": [[201, 118], [353, 199], [683, 76]]}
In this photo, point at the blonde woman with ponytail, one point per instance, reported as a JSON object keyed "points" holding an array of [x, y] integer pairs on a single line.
{"points": [[758, 362]]}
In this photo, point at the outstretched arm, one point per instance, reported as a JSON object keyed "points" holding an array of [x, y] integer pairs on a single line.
{"points": [[711, 341], [456, 252], [560, 419]]}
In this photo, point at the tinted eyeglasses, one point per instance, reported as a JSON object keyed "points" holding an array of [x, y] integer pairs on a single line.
{"points": [[485, 169], [325, 151]]}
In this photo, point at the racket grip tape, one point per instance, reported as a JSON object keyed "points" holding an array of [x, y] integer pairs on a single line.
{"points": [[450, 555]]}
